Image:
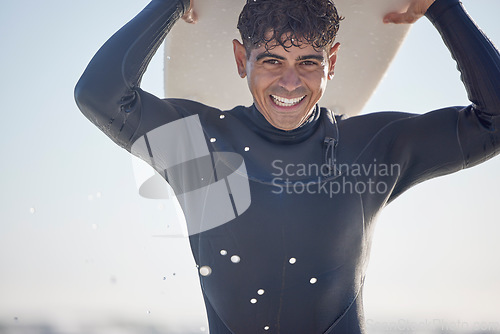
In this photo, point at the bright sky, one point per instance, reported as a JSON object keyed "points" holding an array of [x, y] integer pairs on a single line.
{"points": [[75, 235]]}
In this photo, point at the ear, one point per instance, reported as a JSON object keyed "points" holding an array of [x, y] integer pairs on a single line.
{"points": [[240, 55], [332, 59]]}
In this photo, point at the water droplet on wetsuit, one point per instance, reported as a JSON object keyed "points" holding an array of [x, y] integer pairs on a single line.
{"points": [[205, 271]]}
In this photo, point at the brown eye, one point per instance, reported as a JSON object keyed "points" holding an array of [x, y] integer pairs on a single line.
{"points": [[271, 61], [308, 63]]}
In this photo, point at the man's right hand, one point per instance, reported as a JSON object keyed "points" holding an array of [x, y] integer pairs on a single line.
{"points": [[190, 16]]}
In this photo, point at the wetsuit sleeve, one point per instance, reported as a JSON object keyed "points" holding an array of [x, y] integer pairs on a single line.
{"points": [[450, 139], [108, 92], [479, 64]]}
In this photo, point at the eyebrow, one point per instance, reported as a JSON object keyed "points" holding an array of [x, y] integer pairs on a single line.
{"points": [[300, 58], [268, 55], [306, 57]]}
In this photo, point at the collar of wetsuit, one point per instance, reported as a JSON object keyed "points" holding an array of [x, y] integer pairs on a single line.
{"points": [[271, 133]]}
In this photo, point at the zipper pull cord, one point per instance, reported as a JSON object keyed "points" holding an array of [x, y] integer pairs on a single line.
{"points": [[330, 143]]}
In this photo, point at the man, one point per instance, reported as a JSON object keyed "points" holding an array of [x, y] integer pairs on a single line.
{"points": [[280, 197]]}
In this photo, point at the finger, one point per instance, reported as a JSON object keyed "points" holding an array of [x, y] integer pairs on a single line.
{"points": [[190, 16], [400, 18]]}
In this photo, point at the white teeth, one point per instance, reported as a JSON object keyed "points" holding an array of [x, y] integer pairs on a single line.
{"points": [[284, 102]]}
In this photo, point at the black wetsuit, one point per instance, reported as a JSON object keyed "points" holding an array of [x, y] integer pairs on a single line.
{"points": [[282, 230]]}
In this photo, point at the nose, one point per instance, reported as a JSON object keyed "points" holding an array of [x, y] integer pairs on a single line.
{"points": [[290, 79]]}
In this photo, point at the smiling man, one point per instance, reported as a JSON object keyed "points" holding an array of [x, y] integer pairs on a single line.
{"points": [[287, 68], [286, 84], [280, 197]]}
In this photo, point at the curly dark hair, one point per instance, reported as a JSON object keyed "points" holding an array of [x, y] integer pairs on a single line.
{"points": [[286, 22]]}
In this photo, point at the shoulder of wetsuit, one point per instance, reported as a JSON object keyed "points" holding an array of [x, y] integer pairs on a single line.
{"points": [[358, 131], [373, 122], [189, 107]]}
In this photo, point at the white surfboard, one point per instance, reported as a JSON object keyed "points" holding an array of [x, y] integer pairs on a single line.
{"points": [[199, 61]]}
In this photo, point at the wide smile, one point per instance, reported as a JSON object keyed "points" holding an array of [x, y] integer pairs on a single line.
{"points": [[284, 102]]}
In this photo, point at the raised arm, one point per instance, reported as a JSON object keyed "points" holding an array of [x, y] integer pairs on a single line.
{"points": [[479, 64], [108, 92], [453, 138], [477, 59]]}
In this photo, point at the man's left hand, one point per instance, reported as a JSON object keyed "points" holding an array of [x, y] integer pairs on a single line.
{"points": [[416, 9]]}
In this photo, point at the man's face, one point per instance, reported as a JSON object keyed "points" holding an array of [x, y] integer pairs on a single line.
{"points": [[286, 84]]}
